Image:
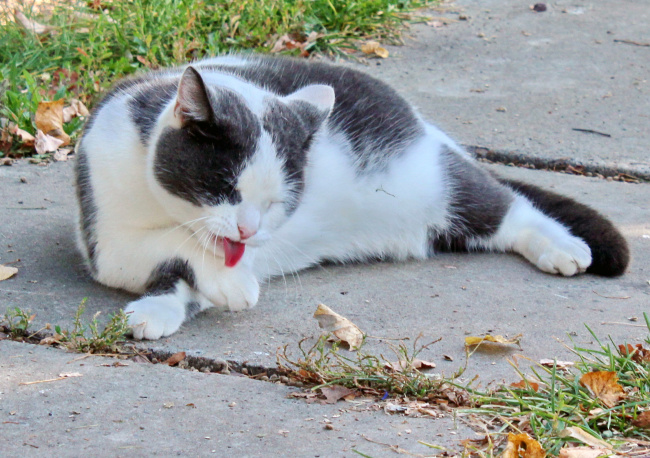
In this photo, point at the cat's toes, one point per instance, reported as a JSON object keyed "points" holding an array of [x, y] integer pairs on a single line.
{"points": [[154, 317], [568, 257], [243, 294]]}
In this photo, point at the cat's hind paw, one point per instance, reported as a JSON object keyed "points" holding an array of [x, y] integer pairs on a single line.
{"points": [[566, 255], [153, 317]]}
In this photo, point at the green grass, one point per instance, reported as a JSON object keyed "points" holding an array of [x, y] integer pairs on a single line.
{"points": [[89, 49], [562, 402]]}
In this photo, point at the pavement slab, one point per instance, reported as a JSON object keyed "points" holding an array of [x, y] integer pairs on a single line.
{"points": [[518, 82], [156, 410]]}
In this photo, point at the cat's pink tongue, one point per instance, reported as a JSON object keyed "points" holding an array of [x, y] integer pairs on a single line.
{"points": [[233, 251]]}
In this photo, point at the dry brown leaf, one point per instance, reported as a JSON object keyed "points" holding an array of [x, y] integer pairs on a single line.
{"points": [[604, 386], [49, 119], [643, 420], [76, 108], [175, 358], [523, 385], [7, 272], [582, 452], [26, 139], [417, 364], [46, 143], [471, 340], [584, 437], [524, 446], [335, 392], [373, 47], [341, 327], [639, 354], [30, 25], [51, 340]]}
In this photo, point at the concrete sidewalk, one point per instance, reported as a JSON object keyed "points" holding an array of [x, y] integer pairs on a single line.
{"points": [[121, 409]]}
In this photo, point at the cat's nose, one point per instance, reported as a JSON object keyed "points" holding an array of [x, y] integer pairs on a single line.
{"points": [[245, 233]]}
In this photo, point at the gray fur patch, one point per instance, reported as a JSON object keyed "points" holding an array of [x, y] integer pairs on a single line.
{"points": [[166, 276], [477, 202], [378, 122], [87, 207], [201, 162], [191, 309], [147, 104]]}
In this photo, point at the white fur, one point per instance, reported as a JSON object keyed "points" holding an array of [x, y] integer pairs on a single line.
{"points": [[342, 215]]}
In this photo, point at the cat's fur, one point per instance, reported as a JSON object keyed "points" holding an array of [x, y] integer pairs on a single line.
{"points": [[290, 163]]}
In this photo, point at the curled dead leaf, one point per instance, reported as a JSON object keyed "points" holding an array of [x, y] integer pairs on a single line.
{"points": [[471, 340], [373, 47], [335, 392], [584, 437], [46, 143], [638, 353], [341, 327], [75, 109], [49, 119], [524, 446], [416, 364], [61, 154], [7, 272], [604, 386], [582, 452]]}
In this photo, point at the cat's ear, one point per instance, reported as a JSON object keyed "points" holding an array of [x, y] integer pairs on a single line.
{"points": [[314, 103], [192, 101]]}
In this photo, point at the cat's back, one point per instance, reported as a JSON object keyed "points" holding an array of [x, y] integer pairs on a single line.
{"points": [[375, 119]]}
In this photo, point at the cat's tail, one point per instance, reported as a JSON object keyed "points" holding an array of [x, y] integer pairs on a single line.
{"points": [[609, 251]]}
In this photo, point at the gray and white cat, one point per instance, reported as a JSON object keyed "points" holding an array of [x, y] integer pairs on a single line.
{"points": [[197, 182]]}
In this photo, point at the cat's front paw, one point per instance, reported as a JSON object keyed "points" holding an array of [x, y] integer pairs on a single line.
{"points": [[153, 317], [237, 289], [566, 255]]}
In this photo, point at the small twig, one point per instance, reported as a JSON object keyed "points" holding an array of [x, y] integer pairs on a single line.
{"points": [[25, 208], [42, 381], [610, 297], [590, 131], [396, 448], [35, 446], [625, 324], [631, 42]]}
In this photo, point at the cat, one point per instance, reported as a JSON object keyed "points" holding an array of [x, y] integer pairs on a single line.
{"points": [[196, 183]]}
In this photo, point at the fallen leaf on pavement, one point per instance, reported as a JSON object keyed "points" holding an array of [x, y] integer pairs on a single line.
{"points": [[26, 139], [373, 47], [558, 364], [524, 446], [583, 436], [582, 452], [335, 392], [341, 327], [604, 386], [416, 364], [643, 420], [46, 143], [471, 340], [7, 272], [51, 340], [175, 358], [30, 25], [76, 108], [49, 119], [61, 154]]}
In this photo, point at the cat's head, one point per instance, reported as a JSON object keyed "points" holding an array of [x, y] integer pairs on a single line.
{"points": [[233, 159]]}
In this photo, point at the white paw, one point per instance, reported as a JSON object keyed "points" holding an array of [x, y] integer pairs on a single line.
{"points": [[235, 289], [154, 317], [558, 254]]}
